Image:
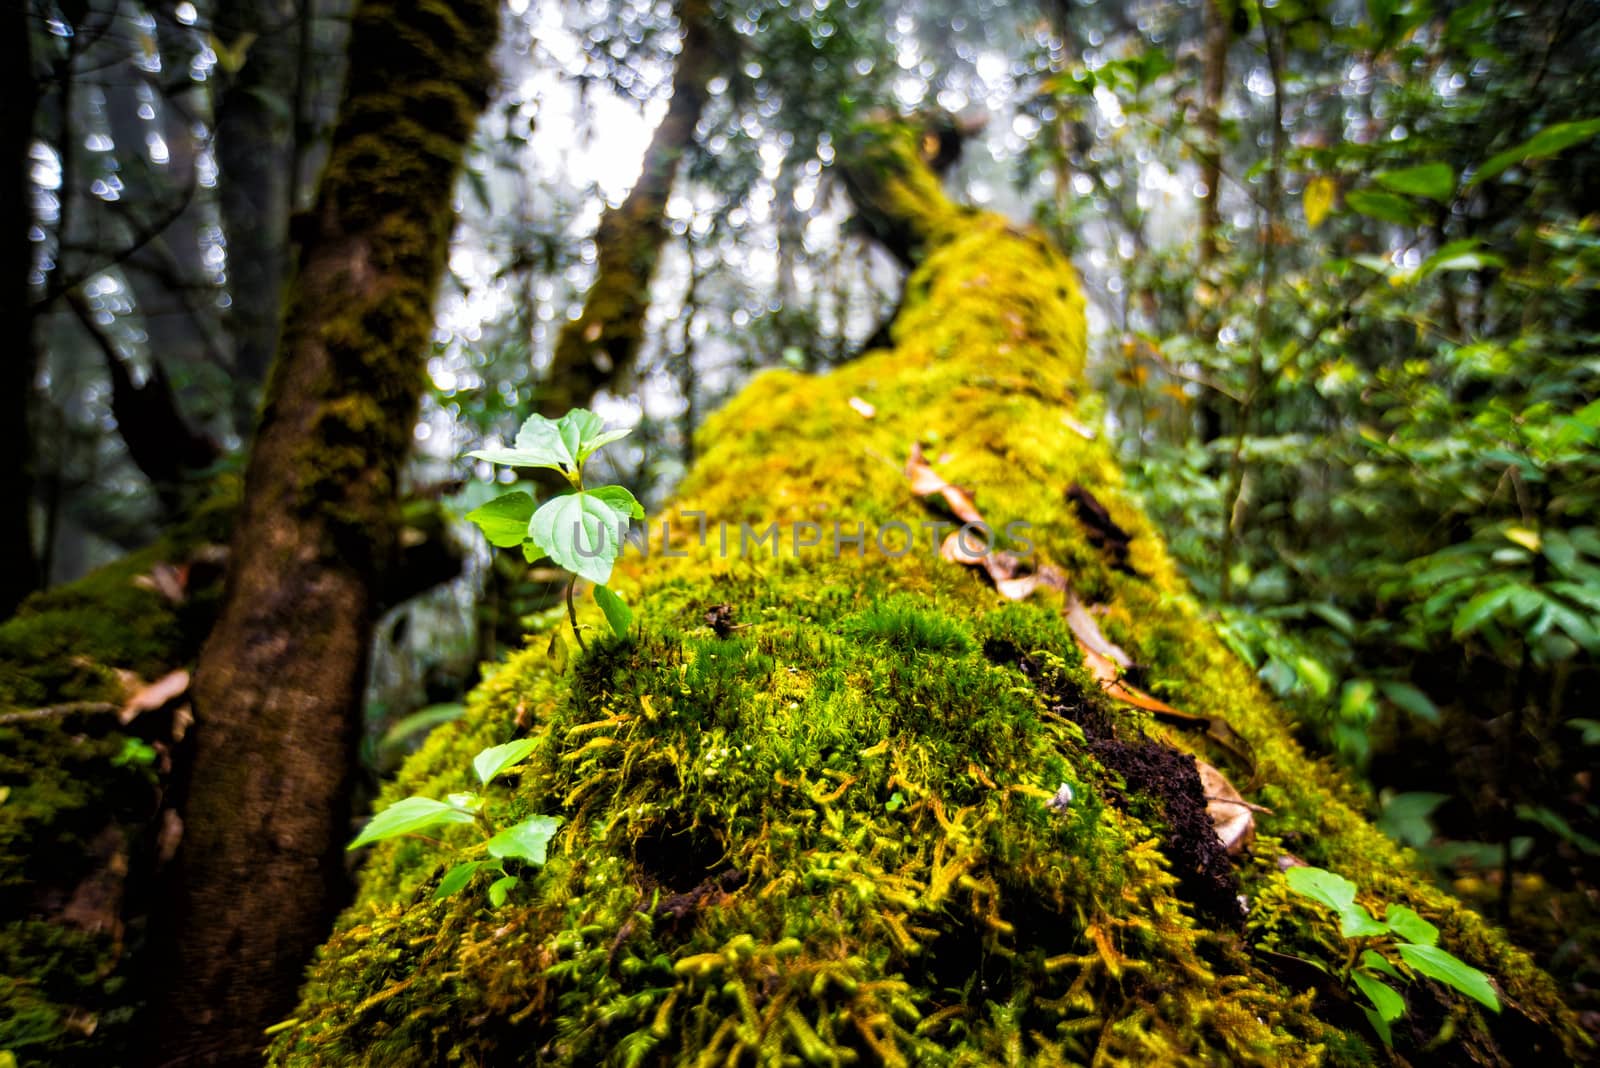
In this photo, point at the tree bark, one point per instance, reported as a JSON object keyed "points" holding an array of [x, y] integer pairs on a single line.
{"points": [[20, 574], [277, 690], [1216, 23], [840, 798], [598, 349]]}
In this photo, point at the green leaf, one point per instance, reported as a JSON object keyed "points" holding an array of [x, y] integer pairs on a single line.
{"points": [[581, 532], [1405, 922], [1462, 255], [1338, 894], [504, 520], [497, 758], [527, 841], [1478, 611], [1372, 960], [1380, 1025], [1549, 141], [1436, 181], [500, 888], [616, 610], [1411, 699], [1384, 206], [498, 454], [408, 817], [1407, 817], [456, 878], [420, 722], [620, 500], [1390, 1005], [599, 441], [1435, 963]]}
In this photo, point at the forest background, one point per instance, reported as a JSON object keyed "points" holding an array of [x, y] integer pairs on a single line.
{"points": [[1340, 260]]}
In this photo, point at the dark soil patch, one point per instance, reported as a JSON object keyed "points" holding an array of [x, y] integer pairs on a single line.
{"points": [[1151, 771], [1205, 874]]}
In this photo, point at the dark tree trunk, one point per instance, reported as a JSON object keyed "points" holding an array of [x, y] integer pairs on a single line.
{"points": [[277, 690], [1216, 22], [599, 348], [256, 133], [20, 574]]}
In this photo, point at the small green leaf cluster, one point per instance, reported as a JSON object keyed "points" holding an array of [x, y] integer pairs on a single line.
{"points": [[527, 841], [1398, 947], [582, 530]]}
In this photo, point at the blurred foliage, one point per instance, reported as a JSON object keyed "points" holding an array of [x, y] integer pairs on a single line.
{"points": [[1369, 423]]}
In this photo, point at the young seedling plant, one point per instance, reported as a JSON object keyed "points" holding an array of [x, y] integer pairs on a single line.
{"points": [[1400, 946], [527, 841], [582, 530]]}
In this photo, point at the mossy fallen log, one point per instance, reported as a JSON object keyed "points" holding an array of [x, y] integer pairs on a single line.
{"points": [[839, 803]]}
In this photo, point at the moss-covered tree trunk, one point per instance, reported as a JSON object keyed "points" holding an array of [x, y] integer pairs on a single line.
{"points": [[20, 574], [598, 348], [839, 799], [277, 690]]}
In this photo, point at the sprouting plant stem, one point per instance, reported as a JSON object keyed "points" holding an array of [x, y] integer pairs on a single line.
{"points": [[572, 615]]}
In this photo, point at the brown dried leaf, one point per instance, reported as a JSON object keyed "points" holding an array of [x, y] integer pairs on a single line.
{"points": [[168, 580], [1089, 634], [959, 549], [1231, 815], [925, 481], [169, 687]]}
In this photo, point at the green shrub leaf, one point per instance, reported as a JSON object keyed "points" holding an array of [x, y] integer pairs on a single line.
{"points": [[497, 758], [1435, 963], [616, 610], [1390, 1005], [527, 841], [504, 520], [456, 878], [1408, 925], [1339, 894], [500, 888], [408, 817], [582, 532], [1436, 181]]}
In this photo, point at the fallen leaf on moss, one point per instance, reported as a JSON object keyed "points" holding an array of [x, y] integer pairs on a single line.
{"points": [[168, 580], [157, 695], [1231, 815], [1105, 659], [925, 482]]}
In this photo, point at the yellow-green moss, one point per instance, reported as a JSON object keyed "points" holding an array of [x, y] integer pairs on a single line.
{"points": [[827, 837]]}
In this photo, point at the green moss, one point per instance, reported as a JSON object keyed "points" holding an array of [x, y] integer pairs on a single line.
{"points": [[868, 826], [74, 809]]}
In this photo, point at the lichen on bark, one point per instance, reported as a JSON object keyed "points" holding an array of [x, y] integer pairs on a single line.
{"points": [[838, 834]]}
